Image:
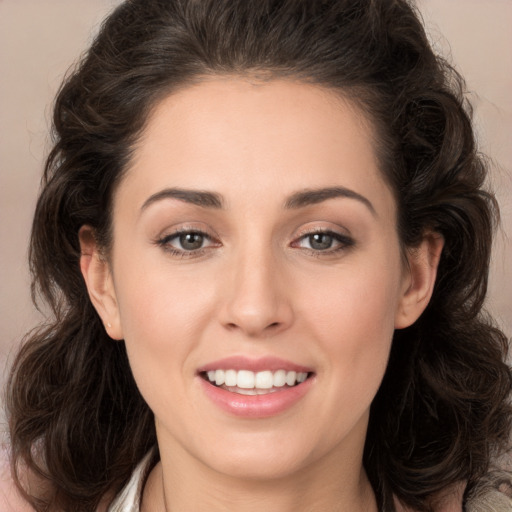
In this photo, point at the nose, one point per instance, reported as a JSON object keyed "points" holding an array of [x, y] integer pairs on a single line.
{"points": [[257, 302]]}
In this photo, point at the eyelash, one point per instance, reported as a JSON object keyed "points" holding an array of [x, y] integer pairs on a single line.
{"points": [[164, 242], [345, 242]]}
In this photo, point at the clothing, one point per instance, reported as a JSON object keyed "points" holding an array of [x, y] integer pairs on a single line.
{"points": [[493, 495], [128, 500]]}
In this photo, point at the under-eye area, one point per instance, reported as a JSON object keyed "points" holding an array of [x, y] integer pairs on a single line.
{"points": [[246, 382]]}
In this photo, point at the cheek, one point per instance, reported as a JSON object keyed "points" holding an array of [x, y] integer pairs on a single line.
{"points": [[155, 299], [353, 320], [361, 299], [162, 316]]}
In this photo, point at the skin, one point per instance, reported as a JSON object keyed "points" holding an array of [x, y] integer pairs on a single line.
{"points": [[258, 287]]}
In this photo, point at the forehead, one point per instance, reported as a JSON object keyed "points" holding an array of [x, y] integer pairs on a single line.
{"points": [[248, 138]]}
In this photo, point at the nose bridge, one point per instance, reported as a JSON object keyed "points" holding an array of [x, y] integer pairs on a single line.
{"points": [[257, 302]]}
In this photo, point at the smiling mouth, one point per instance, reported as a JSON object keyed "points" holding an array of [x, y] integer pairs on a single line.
{"points": [[246, 382]]}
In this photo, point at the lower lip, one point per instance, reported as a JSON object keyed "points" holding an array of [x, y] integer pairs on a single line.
{"points": [[256, 406]]}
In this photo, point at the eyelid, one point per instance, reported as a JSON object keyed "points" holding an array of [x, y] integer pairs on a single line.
{"points": [[345, 241], [313, 228], [176, 234], [185, 227], [163, 240]]}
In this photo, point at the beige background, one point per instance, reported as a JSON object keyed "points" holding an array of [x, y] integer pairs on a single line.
{"points": [[39, 39]]}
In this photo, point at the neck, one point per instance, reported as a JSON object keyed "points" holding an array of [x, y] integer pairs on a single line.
{"points": [[186, 485]]}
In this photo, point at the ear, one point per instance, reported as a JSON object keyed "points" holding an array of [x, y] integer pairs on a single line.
{"points": [[420, 277], [98, 279]]}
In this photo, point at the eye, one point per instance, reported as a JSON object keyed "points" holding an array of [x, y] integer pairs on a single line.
{"points": [[319, 241], [190, 241], [324, 241], [186, 241]]}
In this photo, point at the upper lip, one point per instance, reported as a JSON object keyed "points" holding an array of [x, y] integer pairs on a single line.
{"points": [[239, 362]]}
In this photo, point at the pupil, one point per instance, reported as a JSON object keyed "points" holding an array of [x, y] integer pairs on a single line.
{"points": [[320, 241], [191, 241]]}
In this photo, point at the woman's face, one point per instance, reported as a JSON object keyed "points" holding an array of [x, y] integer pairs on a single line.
{"points": [[255, 244]]}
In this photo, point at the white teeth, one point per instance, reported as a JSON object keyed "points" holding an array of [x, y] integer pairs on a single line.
{"points": [[264, 380], [220, 377], [245, 379], [230, 378], [290, 378], [254, 382], [279, 378]]}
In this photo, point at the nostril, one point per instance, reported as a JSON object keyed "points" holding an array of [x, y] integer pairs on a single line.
{"points": [[273, 325]]}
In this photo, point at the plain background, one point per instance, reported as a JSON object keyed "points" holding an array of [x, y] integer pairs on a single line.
{"points": [[40, 39]]}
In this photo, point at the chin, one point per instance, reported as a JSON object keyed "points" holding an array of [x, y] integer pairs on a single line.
{"points": [[257, 468], [258, 459]]}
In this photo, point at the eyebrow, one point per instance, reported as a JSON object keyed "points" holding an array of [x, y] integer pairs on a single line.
{"points": [[315, 196], [297, 200], [196, 197]]}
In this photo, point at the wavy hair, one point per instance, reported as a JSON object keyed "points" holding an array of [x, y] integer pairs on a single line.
{"points": [[76, 417]]}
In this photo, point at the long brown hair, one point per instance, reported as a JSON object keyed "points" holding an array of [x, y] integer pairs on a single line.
{"points": [[76, 416]]}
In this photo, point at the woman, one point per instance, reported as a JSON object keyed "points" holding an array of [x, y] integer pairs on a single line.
{"points": [[265, 238]]}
